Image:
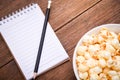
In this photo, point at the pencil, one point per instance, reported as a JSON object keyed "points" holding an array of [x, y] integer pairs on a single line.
{"points": [[41, 41]]}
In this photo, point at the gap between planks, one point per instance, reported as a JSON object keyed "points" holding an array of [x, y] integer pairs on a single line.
{"points": [[77, 16]]}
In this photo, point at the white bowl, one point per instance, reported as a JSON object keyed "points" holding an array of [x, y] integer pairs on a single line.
{"points": [[111, 27]]}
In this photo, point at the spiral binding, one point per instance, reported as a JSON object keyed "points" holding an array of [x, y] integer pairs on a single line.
{"points": [[17, 13]]}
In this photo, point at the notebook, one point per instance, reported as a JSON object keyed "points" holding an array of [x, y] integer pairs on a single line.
{"points": [[22, 32]]}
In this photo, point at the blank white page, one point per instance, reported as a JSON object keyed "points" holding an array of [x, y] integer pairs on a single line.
{"points": [[22, 33]]}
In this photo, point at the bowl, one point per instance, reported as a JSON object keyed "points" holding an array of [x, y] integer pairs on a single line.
{"points": [[112, 27]]}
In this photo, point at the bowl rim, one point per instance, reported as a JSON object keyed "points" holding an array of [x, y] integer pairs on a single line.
{"points": [[80, 40]]}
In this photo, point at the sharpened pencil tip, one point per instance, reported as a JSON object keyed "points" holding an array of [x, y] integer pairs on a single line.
{"points": [[32, 79], [34, 76]]}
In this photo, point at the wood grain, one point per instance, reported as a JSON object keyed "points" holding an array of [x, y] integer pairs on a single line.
{"points": [[10, 72], [62, 10], [5, 54], [107, 11], [62, 72], [66, 7], [76, 19]]}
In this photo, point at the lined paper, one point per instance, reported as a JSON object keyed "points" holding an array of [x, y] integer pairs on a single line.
{"points": [[22, 33]]}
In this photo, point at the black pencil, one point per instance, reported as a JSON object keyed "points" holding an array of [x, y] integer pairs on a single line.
{"points": [[42, 40]]}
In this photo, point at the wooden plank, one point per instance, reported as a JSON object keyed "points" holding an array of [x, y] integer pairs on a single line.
{"points": [[107, 11], [5, 55], [10, 72], [62, 10], [62, 72]]}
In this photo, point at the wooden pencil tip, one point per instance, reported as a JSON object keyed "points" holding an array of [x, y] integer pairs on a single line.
{"points": [[32, 79], [34, 76]]}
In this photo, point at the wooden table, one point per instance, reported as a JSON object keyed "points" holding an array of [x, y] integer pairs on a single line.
{"points": [[70, 19]]}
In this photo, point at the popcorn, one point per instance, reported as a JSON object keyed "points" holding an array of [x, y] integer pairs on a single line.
{"points": [[93, 48], [105, 70], [115, 78], [94, 77], [112, 73], [116, 65], [118, 73], [83, 68], [80, 59], [83, 75], [110, 48], [104, 32], [100, 39], [87, 55], [117, 58], [110, 63], [87, 40], [102, 46], [91, 63], [103, 76], [81, 50], [115, 43], [102, 63], [96, 70], [98, 58], [104, 54], [118, 51], [113, 35]]}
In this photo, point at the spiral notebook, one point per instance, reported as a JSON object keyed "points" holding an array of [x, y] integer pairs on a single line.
{"points": [[22, 33]]}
